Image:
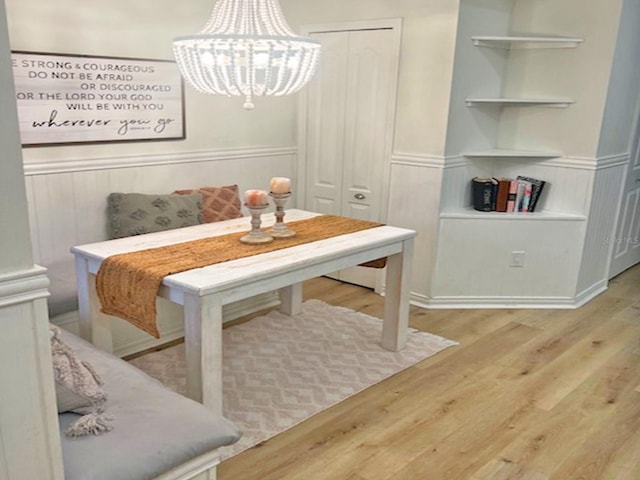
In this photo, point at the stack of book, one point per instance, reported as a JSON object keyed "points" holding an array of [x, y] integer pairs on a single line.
{"points": [[505, 194]]}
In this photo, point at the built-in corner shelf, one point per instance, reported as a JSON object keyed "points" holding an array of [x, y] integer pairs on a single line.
{"points": [[506, 153], [525, 41], [470, 213], [520, 102]]}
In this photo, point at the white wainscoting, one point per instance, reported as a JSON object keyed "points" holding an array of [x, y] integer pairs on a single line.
{"points": [[462, 257], [608, 183], [414, 201], [67, 207]]}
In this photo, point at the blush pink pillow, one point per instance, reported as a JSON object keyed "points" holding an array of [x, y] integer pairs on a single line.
{"points": [[218, 203]]}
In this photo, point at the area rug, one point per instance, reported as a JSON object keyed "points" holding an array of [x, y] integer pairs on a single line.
{"points": [[279, 370]]}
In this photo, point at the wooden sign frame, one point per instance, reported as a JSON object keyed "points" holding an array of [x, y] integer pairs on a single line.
{"points": [[70, 99]]}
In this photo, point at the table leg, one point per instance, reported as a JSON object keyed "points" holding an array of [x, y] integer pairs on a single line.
{"points": [[291, 299], [396, 302], [95, 326], [203, 349]]}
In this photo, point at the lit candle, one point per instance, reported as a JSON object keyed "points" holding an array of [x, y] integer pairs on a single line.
{"points": [[254, 198], [280, 185]]}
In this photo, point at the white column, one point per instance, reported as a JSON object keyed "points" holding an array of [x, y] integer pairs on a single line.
{"points": [[29, 438]]}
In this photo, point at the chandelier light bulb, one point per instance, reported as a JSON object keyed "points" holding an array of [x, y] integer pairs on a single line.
{"points": [[247, 49]]}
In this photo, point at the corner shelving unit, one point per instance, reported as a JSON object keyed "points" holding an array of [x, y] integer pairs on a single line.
{"points": [[525, 41], [520, 102], [506, 154], [497, 154], [470, 213], [519, 41]]}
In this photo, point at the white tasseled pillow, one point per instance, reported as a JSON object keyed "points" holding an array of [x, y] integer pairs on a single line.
{"points": [[78, 389]]}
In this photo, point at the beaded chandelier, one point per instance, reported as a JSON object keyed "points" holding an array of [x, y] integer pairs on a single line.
{"points": [[246, 49]]}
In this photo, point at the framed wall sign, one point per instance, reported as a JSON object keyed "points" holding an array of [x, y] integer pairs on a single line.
{"points": [[65, 99]]}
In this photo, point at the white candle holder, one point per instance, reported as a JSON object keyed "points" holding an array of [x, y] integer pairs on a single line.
{"points": [[279, 229], [256, 235]]}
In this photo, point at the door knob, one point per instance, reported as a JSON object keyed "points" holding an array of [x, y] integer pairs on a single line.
{"points": [[359, 196]]}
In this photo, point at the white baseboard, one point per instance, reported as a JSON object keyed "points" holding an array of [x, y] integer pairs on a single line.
{"points": [[591, 292], [140, 341], [442, 303]]}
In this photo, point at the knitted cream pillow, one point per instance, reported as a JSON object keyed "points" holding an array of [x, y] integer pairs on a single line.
{"points": [[78, 389]]}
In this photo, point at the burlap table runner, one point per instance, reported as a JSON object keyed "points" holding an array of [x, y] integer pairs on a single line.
{"points": [[127, 284]]}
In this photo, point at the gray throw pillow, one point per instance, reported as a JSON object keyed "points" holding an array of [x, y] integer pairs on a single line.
{"points": [[138, 213]]}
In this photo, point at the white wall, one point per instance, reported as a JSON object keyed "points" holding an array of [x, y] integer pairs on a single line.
{"points": [[426, 60], [623, 95], [581, 74], [15, 246], [29, 440], [624, 85], [145, 29], [479, 72]]}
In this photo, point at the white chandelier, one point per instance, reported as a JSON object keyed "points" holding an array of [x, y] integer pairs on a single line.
{"points": [[246, 49]]}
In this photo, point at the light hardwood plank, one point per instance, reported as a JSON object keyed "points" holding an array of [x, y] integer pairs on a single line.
{"points": [[527, 395]]}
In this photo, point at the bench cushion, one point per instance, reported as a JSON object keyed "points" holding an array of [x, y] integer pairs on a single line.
{"points": [[154, 428]]}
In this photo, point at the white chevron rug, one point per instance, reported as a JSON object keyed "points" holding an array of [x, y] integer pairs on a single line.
{"points": [[280, 370]]}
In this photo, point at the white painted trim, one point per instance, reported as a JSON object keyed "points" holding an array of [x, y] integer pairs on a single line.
{"points": [[194, 467], [437, 303], [613, 160], [84, 164], [454, 161], [23, 286], [417, 160], [589, 163], [590, 293]]}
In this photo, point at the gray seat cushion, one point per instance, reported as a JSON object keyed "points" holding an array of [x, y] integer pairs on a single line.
{"points": [[154, 428]]}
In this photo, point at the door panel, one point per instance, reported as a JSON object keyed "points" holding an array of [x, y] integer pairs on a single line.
{"points": [[626, 249], [325, 124], [349, 114], [367, 113]]}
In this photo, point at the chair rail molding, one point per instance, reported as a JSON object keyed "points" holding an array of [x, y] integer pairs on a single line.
{"points": [[418, 160], [108, 163], [23, 286]]}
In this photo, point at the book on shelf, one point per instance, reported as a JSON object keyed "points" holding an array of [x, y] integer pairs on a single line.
{"points": [[511, 197], [520, 192], [502, 194], [483, 191], [490, 194], [536, 190]]}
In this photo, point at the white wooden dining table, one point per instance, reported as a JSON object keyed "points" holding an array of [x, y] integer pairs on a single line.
{"points": [[202, 292]]}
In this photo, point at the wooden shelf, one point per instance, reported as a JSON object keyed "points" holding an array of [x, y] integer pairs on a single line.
{"points": [[470, 213], [505, 153], [525, 41], [520, 102]]}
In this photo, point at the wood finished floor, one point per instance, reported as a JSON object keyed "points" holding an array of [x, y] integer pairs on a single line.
{"points": [[528, 395]]}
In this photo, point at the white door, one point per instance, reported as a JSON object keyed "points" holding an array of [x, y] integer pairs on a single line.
{"points": [[348, 127], [626, 248]]}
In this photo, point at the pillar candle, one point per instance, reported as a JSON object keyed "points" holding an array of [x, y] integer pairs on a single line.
{"points": [[254, 198], [280, 185]]}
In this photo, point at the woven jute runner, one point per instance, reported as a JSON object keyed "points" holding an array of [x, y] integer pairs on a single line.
{"points": [[127, 284]]}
